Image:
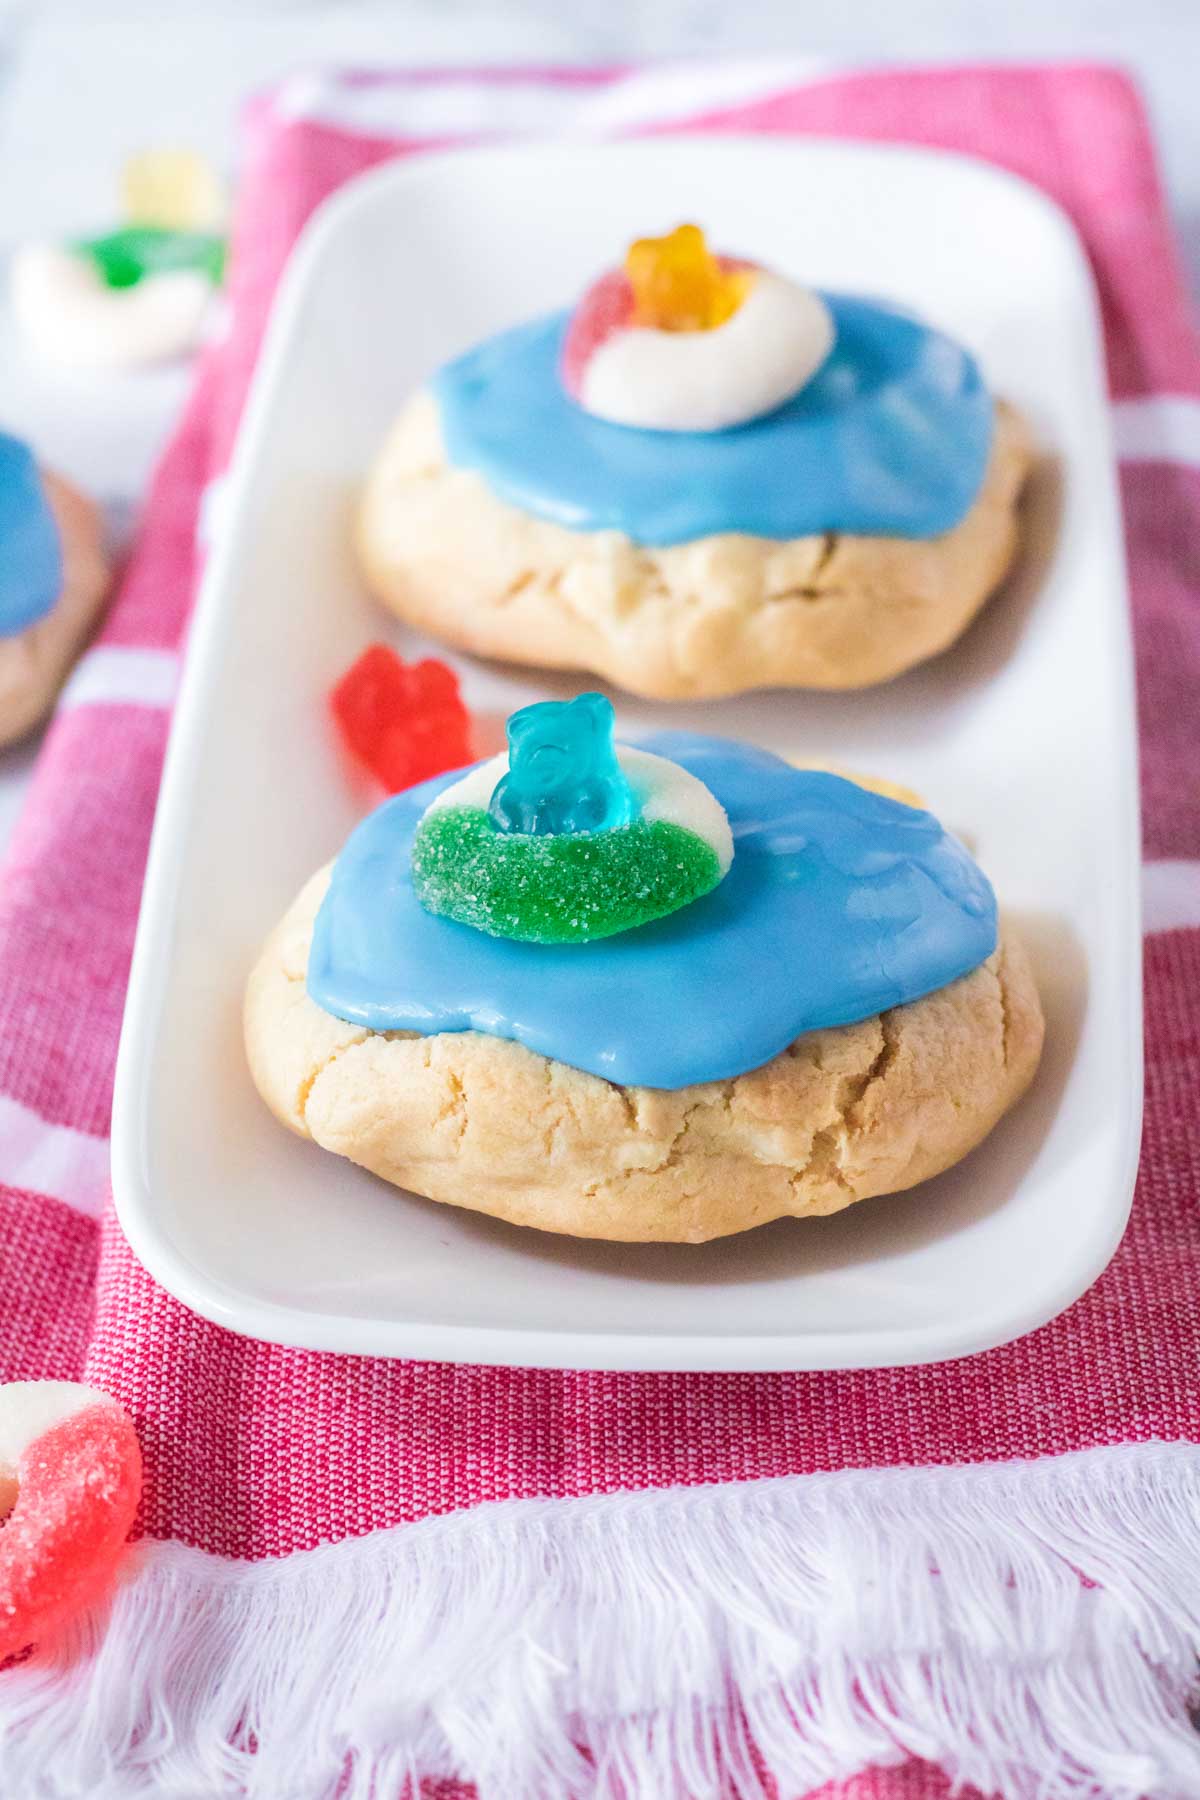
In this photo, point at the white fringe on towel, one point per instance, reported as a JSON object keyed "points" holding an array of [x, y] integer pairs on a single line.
{"points": [[633, 1647]]}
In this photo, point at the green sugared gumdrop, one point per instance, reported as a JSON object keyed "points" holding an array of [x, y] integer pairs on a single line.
{"points": [[128, 256], [568, 889], [563, 774]]}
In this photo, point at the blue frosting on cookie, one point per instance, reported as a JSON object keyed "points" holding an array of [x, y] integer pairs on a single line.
{"points": [[891, 437], [31, 568], [839, 904]]}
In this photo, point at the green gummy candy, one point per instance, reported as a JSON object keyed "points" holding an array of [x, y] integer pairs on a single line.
{"points": [[567, 889], [126, 257]]}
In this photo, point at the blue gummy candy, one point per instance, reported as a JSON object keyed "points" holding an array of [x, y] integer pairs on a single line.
{"points": [[563, 774]]}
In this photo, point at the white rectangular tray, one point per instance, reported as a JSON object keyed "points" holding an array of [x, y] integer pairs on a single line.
{"points": [[1022, 737]]}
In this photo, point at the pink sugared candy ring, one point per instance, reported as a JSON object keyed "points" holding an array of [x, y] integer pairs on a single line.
{"points": [[70, 1480], [681, 339]]}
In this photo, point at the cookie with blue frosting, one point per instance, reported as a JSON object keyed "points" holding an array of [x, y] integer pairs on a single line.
{"points": [[706, 478], [54, 577], [814, 1005]]}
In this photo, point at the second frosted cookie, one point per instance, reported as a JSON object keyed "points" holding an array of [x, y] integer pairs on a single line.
{"points": [[706, 478]]}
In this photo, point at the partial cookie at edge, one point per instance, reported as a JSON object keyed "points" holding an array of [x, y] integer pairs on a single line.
{"points": [[483, 1123]]}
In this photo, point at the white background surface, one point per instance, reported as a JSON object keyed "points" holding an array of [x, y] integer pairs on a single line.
{"points": [[84, 82]]}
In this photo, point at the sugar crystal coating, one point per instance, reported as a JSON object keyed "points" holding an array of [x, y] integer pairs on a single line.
{"points": [[566, 889], [77, 1487], [563, 774]]}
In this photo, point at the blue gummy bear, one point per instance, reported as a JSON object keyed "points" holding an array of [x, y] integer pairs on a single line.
{"points": [[563, 774], [31, 569]]}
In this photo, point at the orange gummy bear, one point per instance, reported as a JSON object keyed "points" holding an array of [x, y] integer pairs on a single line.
{"points": [[678, 284]]}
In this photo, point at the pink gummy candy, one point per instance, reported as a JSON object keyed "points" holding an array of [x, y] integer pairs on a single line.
{"points": [[607, 307], [70, 1481]]}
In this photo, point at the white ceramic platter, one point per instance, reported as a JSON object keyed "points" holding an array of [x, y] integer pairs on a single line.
{"points": [[1022, 737]]}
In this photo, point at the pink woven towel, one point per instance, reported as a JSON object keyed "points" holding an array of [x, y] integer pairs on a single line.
{"points": [[255, 1452]]}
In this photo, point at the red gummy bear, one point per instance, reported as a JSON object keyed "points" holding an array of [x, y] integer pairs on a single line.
{"points": [[405, 721]]}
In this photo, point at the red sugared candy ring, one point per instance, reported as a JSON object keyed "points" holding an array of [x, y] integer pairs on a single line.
{"points": [[70, 1481], [405, 721]]}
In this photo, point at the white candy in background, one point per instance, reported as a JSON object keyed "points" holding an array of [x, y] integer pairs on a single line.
{"points": [[72, 317], [761, 356], [28, 1410]]}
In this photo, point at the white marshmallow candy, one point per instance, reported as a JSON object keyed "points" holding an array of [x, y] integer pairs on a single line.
{"points": [[762, 355]]}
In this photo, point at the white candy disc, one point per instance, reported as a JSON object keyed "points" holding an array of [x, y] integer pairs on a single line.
{"points": [[68, 312], [708, 380], [663, 790]]}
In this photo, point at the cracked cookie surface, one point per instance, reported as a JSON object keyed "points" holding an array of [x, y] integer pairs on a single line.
{"points": [[34, 662], [483, 1123], [718, 616]]}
